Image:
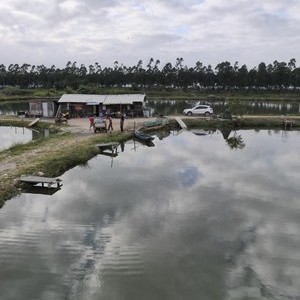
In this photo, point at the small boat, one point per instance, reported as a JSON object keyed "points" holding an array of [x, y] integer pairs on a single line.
{"points": [[200, 132], [146, 143], [143, 136], [158, 122]]}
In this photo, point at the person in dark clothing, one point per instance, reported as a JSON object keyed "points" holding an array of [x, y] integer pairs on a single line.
{"points": [[110, 126], [122, 122]]}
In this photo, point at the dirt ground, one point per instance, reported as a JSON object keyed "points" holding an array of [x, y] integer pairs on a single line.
{"points": [[82, 124], [79, 126]]}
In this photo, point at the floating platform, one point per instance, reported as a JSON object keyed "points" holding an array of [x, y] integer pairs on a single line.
{"points": [[48, 181], [110, 154], [110, 145], [287, 124], [181, 123], [157, 123], [33, 122]]}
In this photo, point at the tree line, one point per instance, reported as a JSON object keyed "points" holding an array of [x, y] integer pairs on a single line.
{"points": [[225, 76]]}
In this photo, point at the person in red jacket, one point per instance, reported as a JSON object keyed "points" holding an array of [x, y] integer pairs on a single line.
{"points": [[92, 122]]}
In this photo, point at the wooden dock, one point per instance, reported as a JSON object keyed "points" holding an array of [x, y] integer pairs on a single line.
{"points": [[287, 124], [34, 122], [110, 145], [48, 181], [181, 123]]}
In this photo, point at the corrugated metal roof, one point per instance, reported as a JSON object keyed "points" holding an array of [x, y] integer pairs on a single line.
{"points": [[82, 98], [104, 99], [124, 99]]}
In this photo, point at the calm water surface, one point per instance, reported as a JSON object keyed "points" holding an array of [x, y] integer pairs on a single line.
{"points": [[190, 218], [12, 108], [168, 107], [250, 108], [14, 135]]}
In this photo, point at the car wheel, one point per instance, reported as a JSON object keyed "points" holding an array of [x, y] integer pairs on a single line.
{"points": [[207, 114], [189, 113]]}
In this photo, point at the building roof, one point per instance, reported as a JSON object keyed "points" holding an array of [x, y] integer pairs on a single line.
{"points": [[104, 99]]}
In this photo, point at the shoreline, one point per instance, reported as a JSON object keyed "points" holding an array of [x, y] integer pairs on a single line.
{"points": [[74, 144]]}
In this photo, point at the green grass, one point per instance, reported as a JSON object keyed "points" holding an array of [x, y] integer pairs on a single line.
{"points": [[250, 123], [53, 156], [155, 94], [58, 153]]}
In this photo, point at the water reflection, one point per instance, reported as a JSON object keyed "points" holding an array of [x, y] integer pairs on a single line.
{"points": [[235, 142], [16, 135], [171, 107], [249, 108], [185, 217], [13, 135], [43, 190], [12, 108]]}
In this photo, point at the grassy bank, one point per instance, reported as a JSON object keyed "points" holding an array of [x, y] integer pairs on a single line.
{"points": [[247, 122], [179, 95], [51, 156], [156, 94], [63, 150]]}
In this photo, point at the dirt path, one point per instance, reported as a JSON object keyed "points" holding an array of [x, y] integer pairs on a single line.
{"points": [[82, 125]]}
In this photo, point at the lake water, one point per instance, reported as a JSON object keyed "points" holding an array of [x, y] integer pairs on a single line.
{"points": [[195, 217], [12, 108], [250, 107], [168, 107], [16, 135]]}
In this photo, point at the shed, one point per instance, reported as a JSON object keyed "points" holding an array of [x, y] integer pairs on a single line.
{"points": [[83, 105], [42, 108]]}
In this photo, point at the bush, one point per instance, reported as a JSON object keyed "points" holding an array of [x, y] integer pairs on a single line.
{"points": [[15, 91]]}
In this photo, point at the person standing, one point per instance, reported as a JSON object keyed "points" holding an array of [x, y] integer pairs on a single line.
{"points": [[110, 126], [122, 122], [92, 122]]}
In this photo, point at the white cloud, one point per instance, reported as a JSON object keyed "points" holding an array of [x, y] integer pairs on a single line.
{"points": [[209, 31]]}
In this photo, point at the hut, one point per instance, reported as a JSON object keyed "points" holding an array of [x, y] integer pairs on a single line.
{"points": [[42, 108], [83, 105]]}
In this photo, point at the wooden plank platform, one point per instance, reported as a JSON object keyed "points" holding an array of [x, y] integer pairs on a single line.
{"points": [[287, 124], [41, 180], [107, 145], [33, 122], [110, 154], [181, 123]]}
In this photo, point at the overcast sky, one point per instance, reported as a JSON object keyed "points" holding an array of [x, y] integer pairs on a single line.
{"points": [[53, 32]]}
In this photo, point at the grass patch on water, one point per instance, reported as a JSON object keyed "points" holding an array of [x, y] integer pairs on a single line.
{"points": [[244, 122]]}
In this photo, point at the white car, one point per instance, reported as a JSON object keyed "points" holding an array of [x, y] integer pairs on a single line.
{"points": [[205, 110]]}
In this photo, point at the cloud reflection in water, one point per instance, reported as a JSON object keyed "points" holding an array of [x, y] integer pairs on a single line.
{"points": [[188, 214]]}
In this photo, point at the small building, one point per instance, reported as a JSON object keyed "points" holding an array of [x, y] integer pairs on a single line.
{"points": [[83, 105], [43, 108]]}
